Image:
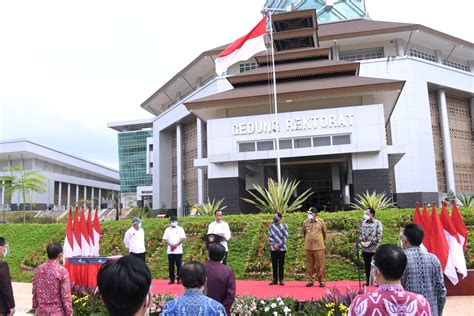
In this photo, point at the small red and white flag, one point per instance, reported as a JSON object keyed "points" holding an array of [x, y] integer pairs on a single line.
{"points": [[456, 252], [442, 249], [427, 228], [77, 238], [243, 48], [85, 242], [458, 222], [90, 230], [97, 230], [68, 241]]}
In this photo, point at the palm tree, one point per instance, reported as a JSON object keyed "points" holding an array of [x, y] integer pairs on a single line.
{"points": [[25, 182]]}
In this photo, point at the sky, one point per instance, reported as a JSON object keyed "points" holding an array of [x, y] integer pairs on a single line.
{"points": [[67, 68]]}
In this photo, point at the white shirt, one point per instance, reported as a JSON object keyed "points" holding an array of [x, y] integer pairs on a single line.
{"points": [[135, 240], [221, 229], [174, 235]]}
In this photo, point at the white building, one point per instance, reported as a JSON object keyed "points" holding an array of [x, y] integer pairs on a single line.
{"points": [[404, 126], [70, 179]]}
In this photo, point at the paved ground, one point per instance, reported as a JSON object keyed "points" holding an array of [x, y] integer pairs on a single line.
{"points": [[455, 305]]}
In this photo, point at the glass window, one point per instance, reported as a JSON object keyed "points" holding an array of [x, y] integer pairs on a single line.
{"points": [[246, 147], [341, 139], [302, 142], [285, 144], [361, 54], [265, 145], [321, 141]]}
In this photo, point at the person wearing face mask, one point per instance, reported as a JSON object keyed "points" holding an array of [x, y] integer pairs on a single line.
{"points": [[314, 233], [193, 301], [7, 302], [390, 298], [277, 237], [134, 239], [370, 236], [174, 237]]}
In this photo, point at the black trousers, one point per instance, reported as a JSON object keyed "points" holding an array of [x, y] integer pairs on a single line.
{"points": [[278, 264], [140, 256], [174, 259], [367, 260]]}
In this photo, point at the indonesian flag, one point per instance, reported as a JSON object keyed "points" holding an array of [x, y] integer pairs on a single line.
{"points": [[418, 218], [243, 48], [86, 250], [90, 231], [77, 239], [68, 241], [458, 222], [427, 228], [442, 249], [456, 252], [97, 233]]}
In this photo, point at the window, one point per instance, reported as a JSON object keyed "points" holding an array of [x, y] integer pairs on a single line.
{"points": [[247, 66], [265, 145], [150, 147], [285, 144], [341, 139], [302, 142], [418, 53], [361, 54], [321, 141], [246, 147]]}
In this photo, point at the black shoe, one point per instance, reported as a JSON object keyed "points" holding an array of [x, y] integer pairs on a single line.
{"points": [[178, 282], [322, 284], [309, 284], [281, 282], [272, 283], [171, 282]]}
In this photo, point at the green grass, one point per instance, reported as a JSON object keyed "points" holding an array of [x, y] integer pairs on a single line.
{"points": [[28, 241]]}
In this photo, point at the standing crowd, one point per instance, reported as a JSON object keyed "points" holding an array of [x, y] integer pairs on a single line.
{"points": [[409, 280]]}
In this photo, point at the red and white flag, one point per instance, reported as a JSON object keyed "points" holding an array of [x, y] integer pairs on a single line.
{"points": [[243, 48], [442, 249], [458, 222], [97, 230], [418, 217], [77, 238], [456, 252], [91, 232], [427, 228], [85, 242], [68, 241]]}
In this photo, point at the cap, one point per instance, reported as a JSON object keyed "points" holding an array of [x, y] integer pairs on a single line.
{"points": [[135, 220], [173, 219], [312, 209]]}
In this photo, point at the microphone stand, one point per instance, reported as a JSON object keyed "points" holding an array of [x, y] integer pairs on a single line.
{"points": [[357, 245]]}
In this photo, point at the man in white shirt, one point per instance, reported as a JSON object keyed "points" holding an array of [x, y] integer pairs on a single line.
{"points": [[221, 228], [174, 236], [135, 239]]}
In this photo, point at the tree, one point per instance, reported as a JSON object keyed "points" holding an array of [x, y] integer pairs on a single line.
{"points": [[25, 182]]}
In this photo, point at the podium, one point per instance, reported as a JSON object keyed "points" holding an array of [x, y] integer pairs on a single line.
{"points": [[84, 270], [211, 239]]}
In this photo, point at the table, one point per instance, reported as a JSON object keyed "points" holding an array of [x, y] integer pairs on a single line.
{"points": [[83, 270]]}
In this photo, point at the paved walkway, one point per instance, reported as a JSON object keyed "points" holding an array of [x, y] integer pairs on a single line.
{"points": [[455, 305]]}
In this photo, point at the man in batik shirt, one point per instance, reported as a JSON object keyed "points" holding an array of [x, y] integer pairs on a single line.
{"points": [[51, 286], [370, 237], [423, 274], [390, 298]]}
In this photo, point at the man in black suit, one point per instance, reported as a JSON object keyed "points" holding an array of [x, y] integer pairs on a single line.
{"points": [[7, 302]]}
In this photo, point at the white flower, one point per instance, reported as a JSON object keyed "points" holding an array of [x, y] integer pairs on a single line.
{"points": [[278, 299], [267, 309], [273, 305], [286, 310], [281, 303], [262, 302], [275, 313]]}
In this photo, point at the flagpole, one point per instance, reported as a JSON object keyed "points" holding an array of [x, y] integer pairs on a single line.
{"points": [[275, 101]]}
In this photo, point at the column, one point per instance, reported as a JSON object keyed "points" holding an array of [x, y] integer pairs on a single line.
{"points": [[77, 195], [92, 198], [471, 103], [399, 47], [446, 140], [3, 195], [335, 51], [85, 196], [200, 172], [60, 195], [52, 193], [179, 169], [438, 56], [68, 204], [470, 64], [100, 198]]}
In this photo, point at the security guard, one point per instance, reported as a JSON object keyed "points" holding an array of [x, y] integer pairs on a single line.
{"points": [[314, 233]]}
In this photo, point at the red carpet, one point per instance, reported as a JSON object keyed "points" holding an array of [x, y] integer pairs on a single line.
{"points": [[261, 289]]}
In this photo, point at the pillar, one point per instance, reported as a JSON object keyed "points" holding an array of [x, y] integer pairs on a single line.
{"points": [[60, 195], [200, 173], [3, 195], [470, 65], [399, 47], [438, 56], [335, 51], [92, 198], [179, 169], [77, 195], [100, 198], [68, 204], [85, 196], [446, 140]]}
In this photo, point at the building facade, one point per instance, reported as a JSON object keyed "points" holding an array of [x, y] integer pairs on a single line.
{"points": [[70, 180], [363, 105]]}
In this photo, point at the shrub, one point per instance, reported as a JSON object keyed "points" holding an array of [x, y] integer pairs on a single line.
{"points": [[377, 201], [465, 200], [210, 207]]}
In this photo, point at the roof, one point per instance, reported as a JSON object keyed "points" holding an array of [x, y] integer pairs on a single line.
{"points": [[136, 125], [295, 54], [297, 90], [295, 70]]}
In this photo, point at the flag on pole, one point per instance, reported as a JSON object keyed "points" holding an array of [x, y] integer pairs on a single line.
{"points": [[90, 232], [85, 242], [427, 228], [442, 249], [455, 247], [76, 229], [243, 48], [458, 222], [68, 241], [418, 218], [97, 233]]}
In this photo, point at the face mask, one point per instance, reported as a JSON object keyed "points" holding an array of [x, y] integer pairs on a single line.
{"points": [[310, 216], [174, 224], [139, 225], [275, 219], [5, 251], [366, 217]]}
